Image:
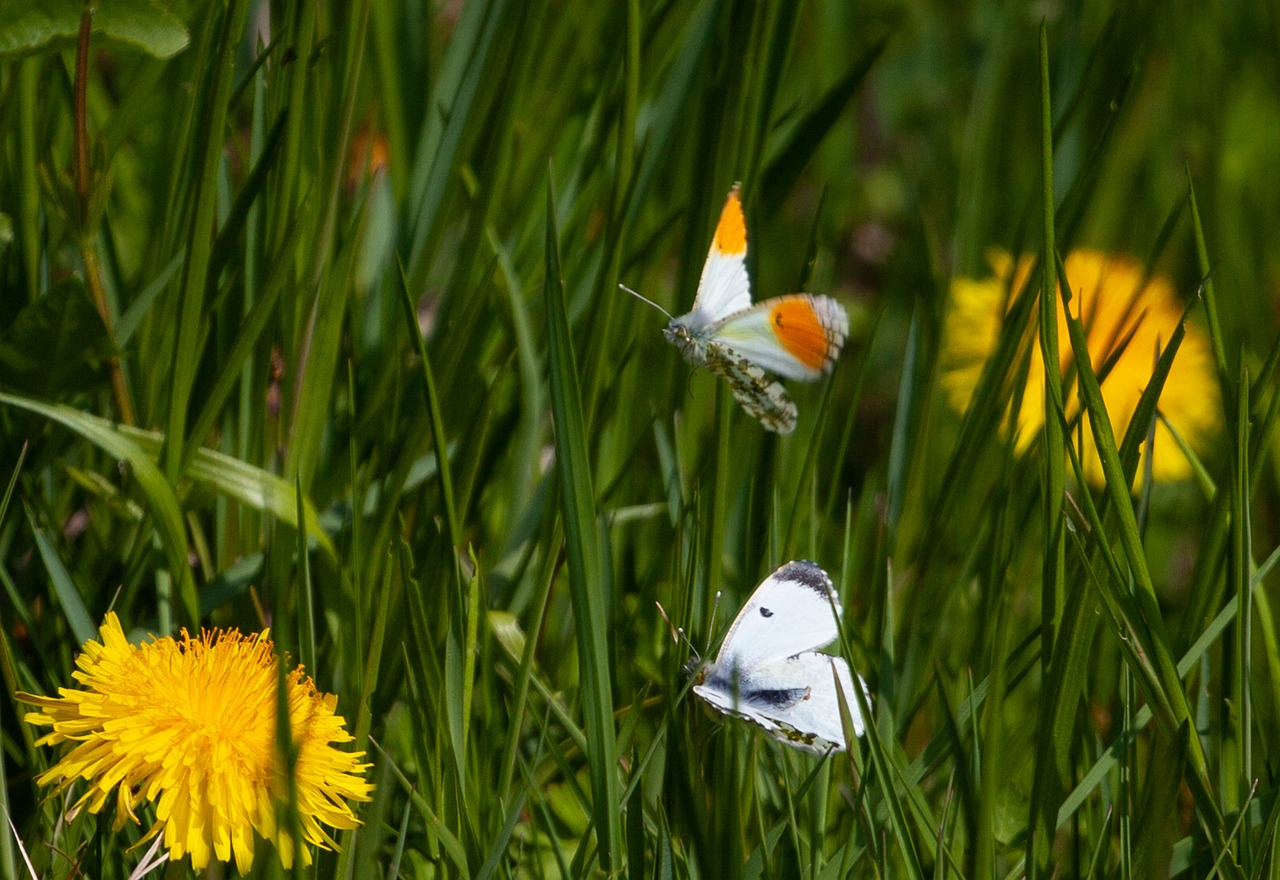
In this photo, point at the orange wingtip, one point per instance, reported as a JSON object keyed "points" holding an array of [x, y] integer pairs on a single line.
{"points": [[800, 330], [731, 231]]}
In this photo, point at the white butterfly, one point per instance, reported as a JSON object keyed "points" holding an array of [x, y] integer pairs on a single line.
{"points": [[797, 336], [768, 672]]}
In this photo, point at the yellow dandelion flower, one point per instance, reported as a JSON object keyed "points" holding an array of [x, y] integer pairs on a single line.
{"points": [[189, 725], [1128, 317]]}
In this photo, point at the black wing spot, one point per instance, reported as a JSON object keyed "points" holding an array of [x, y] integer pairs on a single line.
{"points": [[765, 612]]}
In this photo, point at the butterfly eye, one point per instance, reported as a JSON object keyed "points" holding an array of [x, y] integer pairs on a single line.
{"points": [[765, 612]]}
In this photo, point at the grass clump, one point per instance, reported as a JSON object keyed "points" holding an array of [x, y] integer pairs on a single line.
{"points": [[312, 321]]}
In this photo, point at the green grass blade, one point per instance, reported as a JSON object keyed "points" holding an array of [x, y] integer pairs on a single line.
{"points": [[501, 840], [117, 441], [1237, 753], [73, 608], [1045, 795], [1168, 693], [255, 323], [193, 289], [669, 102], [452, 106], [1107, 762], [1210, 300], [253, 486], [1054, 457], [783, 167], [306, 596], [581, 542], [437, 421], [904, 428], [877, 751]]}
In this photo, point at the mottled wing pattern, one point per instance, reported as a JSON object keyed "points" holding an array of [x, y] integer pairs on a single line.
{"points": [[760, 394], [775, 727], [780, 730], [793, 700]]}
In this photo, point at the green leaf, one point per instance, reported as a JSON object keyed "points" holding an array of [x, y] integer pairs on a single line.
{"points": [[163, 504], [56, 345], [32, 26], [248, 484], [251, 485]]}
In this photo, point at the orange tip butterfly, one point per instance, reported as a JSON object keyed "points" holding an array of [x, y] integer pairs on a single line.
{"points": [[768, 672], [797, 336]]}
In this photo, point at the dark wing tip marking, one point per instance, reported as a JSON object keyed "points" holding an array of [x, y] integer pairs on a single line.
{"points": [[808, 574]]}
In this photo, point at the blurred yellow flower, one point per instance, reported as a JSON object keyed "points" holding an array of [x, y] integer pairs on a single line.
{"points": [[1128, 317], [189, 725]]}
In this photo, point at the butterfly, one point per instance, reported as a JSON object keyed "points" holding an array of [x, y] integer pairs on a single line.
{"points": [[797, 336], [767, 671]]}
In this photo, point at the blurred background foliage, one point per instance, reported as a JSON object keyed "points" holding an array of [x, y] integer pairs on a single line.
{"points": [[220, 276]]}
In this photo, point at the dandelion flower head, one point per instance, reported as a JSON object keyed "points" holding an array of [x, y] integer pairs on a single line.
{"points": [[1128, 317], [189, 725]]}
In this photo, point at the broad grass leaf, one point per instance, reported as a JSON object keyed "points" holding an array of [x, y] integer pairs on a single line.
{"points": [[34, 26], [164, 508], [246, 483]]}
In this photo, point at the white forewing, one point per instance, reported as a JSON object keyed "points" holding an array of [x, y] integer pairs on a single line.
{"points": [[792, 611], [724, 288], [767, 671]]}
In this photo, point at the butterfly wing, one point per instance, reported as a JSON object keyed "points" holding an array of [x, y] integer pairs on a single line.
{"points": [[724, 288], [797, 336], [767, 671], [759, 393], [794, 610], [793, 700]]}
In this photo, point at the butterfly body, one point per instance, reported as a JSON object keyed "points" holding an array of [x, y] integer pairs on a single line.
{"points": [[797, 336], [768, 672]]}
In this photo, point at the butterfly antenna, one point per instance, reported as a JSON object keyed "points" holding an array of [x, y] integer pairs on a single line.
{"points": [[643, 298], [697, 658], [715, 613]]}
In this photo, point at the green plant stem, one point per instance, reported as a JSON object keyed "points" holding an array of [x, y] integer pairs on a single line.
{"points": [[82, 134], [86, 235]]}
